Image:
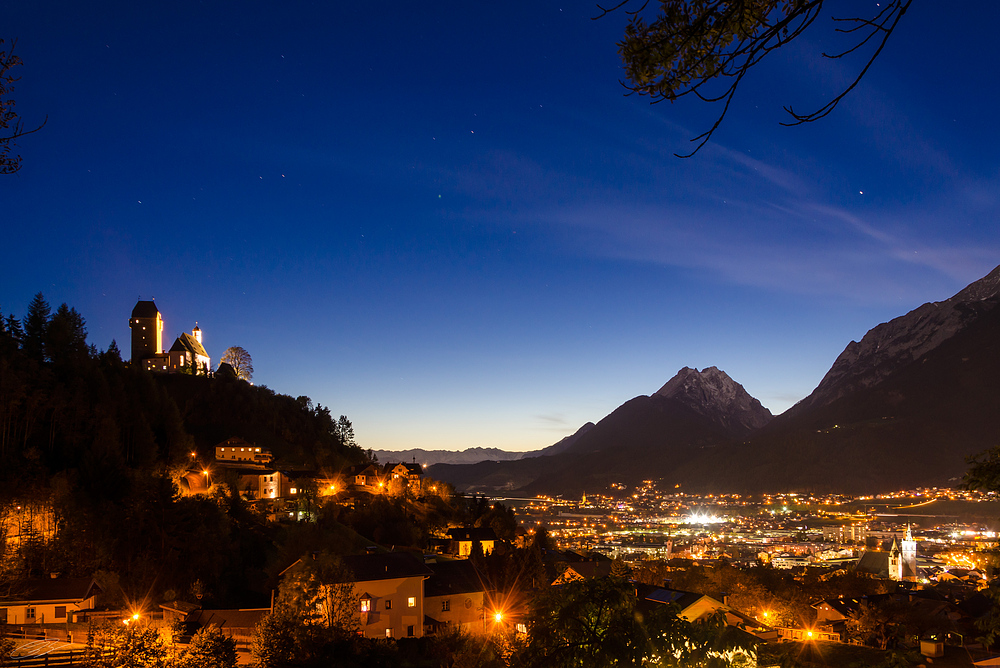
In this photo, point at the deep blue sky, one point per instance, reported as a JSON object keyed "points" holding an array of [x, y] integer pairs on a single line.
{"points": [[446, 221]]}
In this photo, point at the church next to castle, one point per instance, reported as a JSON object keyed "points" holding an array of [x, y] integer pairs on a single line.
{"points": [[186, 355]]}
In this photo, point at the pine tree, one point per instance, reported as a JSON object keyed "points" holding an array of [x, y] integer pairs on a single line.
{"points": [[36, 325]]}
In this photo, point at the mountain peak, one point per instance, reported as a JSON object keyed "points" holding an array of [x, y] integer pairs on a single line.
{"points": [[714, 394], [896, 343]]}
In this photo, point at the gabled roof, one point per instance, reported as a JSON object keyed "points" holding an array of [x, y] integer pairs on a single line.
{"points": [[235, 442], [387, 566], [229, 619], [411, 468], [182, 607], [358, 469], [875, 563], [453, 577], [844, 606], [57, 589], [685, 599], [187, 343], [588, 569], [145, 309]]}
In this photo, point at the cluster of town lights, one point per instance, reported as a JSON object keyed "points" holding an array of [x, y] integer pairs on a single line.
{"points": [[704, 518]]}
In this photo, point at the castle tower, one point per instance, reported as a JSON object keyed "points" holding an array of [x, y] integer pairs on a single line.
{"points": [[908, 554], [196, 333], [147, 331]]}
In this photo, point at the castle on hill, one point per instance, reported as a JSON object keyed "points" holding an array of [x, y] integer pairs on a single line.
{"points": [[187, 355]]}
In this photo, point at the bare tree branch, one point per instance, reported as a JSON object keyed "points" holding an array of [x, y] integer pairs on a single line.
{"points": [[11, 125]]}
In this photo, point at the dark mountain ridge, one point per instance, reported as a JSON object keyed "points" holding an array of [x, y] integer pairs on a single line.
{"points": [[902, 408], [701, 410]]}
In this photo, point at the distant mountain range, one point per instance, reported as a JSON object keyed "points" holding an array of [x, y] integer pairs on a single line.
{"points": [[901, 408]]}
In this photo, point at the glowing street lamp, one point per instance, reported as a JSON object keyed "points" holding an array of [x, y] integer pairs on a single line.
{"points": [[498, 616]]}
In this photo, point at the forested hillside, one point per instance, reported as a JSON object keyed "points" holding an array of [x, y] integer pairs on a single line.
{"points": [[91, 449]]}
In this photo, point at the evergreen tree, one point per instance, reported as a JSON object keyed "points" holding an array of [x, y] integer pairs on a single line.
{"points": [[210, 649], [36, 325], [66, 337]]}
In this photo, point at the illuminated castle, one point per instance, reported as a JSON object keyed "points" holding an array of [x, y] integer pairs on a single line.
{"points": [[187, 355]]}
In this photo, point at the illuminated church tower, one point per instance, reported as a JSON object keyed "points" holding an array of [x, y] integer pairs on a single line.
{"points": [[909, 557], [147, 331]]}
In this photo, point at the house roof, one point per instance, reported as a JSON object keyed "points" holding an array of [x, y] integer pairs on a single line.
{"points": [[453, 577], [182, 607], [844, 606], [229, 619], [411, 468], [187, 343], [875, 563], [685, 599], [591, 569], [386, 566], [57, 589], [235, 442], [358, 469], [472, 533], [145, 309]]}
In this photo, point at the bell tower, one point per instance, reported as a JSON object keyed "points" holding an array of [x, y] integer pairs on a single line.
{"points": [[909, 556]]}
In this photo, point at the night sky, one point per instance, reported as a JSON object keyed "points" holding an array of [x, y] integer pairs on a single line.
{"points": [[446, 221]]}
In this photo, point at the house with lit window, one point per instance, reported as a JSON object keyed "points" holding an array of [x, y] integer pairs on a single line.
{"points": [[462, 540], [409, 472], [391, 591], [364, 477], [237, 451], [455, 599], [50, 601]]}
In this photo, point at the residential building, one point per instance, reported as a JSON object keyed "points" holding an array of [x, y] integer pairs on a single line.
{"points": [[454, 598], [391, 591], [50, 601]]}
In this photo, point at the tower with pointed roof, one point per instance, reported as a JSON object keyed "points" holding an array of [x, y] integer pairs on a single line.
{"points": [[908, 556]]}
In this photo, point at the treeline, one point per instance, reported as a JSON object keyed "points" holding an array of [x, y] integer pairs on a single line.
{"points": [[99, 443]]}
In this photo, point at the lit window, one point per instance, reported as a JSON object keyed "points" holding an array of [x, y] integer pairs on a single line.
{"points": [[366, 605], [292, 490], [388, 604], [445, 605], [411, 602], [388, 632]]}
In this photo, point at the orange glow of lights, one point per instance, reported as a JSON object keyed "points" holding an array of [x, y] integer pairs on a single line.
{"points": [[498, 616], [809, 633]]}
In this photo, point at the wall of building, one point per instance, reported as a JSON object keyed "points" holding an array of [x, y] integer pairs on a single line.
{"points": [[401, 619]]}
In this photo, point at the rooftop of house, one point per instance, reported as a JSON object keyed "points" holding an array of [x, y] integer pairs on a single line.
{"points": [[472, 533], [56, 589], [385, 566], [453, 577]]}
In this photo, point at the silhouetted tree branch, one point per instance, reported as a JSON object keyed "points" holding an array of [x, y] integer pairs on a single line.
{"points": [[704, 48], [11, 125]]}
